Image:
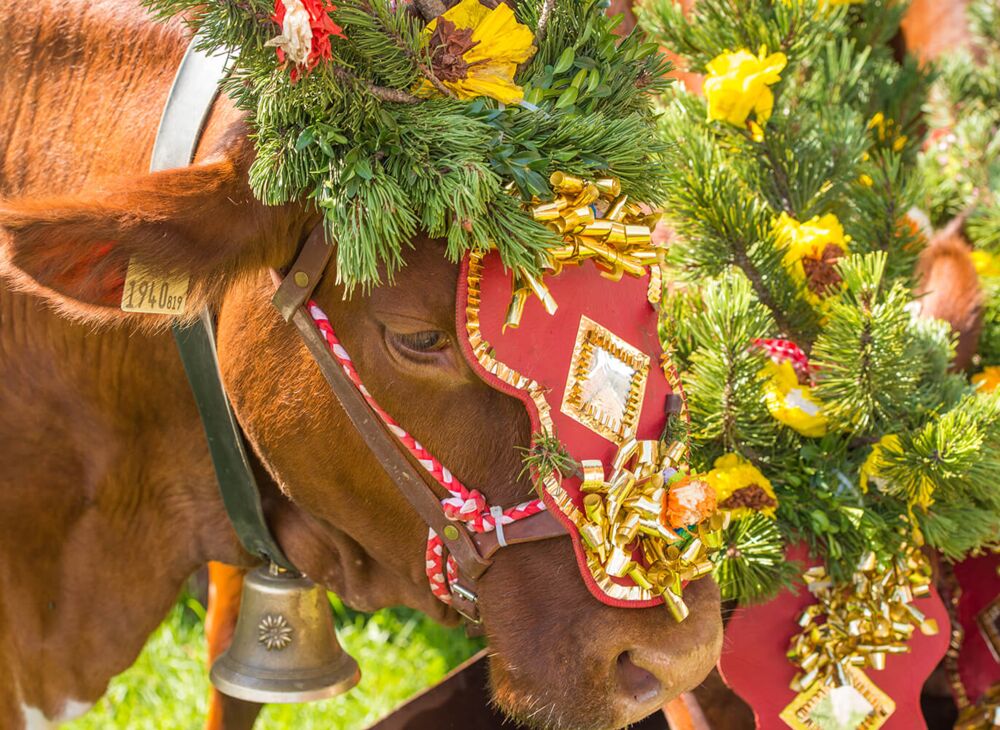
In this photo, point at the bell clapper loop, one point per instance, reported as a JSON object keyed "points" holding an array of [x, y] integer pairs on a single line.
{"points": [[284, 647]]}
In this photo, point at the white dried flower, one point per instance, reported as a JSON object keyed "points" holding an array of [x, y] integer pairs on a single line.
{"points": [[296, 34]]}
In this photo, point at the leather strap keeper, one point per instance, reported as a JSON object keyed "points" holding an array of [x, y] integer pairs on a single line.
{"points": [[304, 275], [539, 526]]}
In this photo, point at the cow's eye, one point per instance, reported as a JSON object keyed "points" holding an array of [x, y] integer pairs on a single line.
{"points": [[419, 343]]}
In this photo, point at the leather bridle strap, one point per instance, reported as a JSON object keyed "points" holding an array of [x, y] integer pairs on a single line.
{"points": [[407, 478], [472, 553], [290, 298]]}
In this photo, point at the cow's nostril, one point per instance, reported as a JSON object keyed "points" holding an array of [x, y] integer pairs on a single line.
{"points": [[637, 683]]}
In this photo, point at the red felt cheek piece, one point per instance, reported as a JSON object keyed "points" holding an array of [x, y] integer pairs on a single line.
{"points": [[541, 348], [754, 665]]}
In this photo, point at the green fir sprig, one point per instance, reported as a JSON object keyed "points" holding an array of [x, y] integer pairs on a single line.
{"points": [[545, 458], [751, 566]]}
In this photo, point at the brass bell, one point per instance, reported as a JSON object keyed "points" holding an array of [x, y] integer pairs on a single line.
{"points": [[284, 648]]}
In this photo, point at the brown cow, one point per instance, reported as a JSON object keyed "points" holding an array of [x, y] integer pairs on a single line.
{"points": [[107, 496]]}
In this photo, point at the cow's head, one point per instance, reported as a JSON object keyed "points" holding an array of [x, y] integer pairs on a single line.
{"points": [[560, 657]]}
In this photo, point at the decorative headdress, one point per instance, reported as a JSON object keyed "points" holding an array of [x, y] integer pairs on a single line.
{"points": [[393, 118]]}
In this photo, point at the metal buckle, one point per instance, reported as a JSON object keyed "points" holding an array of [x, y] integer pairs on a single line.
{"points": [[464, 592], [457, 589]]}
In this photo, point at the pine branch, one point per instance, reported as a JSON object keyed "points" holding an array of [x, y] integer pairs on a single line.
{"points": [[396, 96], [866, 368], [430, 9], [543, 20], [751, 567], [428, 6], [785, 326], [780, 176], [723, 382]]}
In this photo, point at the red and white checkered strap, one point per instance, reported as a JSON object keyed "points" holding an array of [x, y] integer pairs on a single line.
{"points": [[782, 350], [467, 506]]}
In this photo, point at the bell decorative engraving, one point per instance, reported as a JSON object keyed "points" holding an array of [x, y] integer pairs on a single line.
{"points": [[284, 647]]}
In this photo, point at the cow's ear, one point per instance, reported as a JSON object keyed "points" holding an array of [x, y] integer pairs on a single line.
{"points": [[200, 222]]}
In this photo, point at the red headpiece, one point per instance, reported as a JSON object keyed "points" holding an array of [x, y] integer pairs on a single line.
{"points": [[586, 361]]}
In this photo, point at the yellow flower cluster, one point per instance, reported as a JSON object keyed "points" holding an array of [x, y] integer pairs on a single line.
{"points": [[739, 83], [476, 51], [886, 130], [812, 250], [987, 265], [791, 402], [740, 488]]}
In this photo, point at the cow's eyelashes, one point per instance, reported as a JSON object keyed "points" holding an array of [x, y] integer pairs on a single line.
{"points": [[419, 344]]}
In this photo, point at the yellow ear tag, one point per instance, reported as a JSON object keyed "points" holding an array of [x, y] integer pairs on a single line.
{"points": [[153, 293]]}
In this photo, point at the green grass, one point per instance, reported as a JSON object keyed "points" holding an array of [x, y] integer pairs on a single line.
{"points": [[400, 652]]}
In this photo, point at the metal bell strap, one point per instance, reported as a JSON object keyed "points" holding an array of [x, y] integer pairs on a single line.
{"points": [[191, 96], [470, 551], [285, 648]]}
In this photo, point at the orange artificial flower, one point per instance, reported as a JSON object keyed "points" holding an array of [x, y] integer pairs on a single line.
{"points": [[687, 502]]}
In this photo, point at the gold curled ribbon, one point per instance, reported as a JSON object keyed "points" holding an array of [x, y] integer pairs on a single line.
{"points": [[623, 519], [596, 223], [860, 622], [984, 715]]}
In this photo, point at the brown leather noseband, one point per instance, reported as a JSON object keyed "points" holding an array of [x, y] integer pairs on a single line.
{"points": [[473, 553]]}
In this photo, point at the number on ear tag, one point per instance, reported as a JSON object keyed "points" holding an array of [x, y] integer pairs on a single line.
{"points": [[153, 293]]}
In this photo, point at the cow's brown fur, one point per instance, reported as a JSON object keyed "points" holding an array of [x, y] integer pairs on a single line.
{"points": [[107, 495], [933, 27], [949, 289]]}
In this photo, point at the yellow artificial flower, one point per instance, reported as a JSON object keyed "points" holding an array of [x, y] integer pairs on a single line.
{"points": [[812, 250], [987, 265], [791, 402], [740, 487], [987, 381], [475, 51], [738, 84]]}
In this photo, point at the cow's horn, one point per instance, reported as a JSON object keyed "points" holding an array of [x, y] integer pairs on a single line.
{"points": [[284, 647]]}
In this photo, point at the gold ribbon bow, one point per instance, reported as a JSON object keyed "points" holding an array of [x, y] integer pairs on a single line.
{"points": [[596, 222], [624, 514], [859, 623]]}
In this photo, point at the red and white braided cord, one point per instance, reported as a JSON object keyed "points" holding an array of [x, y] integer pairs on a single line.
{"points": [[467, 506]]}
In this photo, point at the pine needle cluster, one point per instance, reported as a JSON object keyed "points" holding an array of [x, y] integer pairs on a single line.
{"points": [[843, 139], [384, 166]]}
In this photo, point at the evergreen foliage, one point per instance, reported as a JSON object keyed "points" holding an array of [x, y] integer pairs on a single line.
{"points": [[752, 558], [843, 139], [384, 166]]}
